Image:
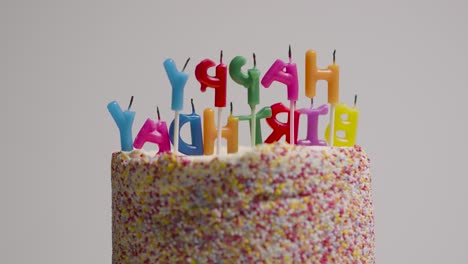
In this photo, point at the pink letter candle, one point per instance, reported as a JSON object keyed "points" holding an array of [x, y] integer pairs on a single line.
{"points": [[285, 73], [312, 125], [279, 128], [154, 132]]}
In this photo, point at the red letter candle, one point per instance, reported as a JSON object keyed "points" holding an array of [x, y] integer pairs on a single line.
{"points": [[285, 73], [217, 82], [279, 128]]}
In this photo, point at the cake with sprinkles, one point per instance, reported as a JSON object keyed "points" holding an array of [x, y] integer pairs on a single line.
{"points": [[275, 203]]}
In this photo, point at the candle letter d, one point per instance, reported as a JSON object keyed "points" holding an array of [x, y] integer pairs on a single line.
{"points": [[196, 148]]}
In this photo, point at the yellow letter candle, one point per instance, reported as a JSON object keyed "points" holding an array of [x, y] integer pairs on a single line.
{"points": [[229, 132], [346, 121]]}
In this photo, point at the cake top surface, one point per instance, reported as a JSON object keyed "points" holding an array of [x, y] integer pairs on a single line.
{"points": [[152, 155]]}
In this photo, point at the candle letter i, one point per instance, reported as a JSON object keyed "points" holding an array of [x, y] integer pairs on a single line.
{"points": [[154, 132], [312, 124], [178, 81], [331, 75], [285, 73], [124, 121], [218, 83]]}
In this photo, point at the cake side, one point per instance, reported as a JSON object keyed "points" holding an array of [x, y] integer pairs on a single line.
{"points": [[279, 202]]}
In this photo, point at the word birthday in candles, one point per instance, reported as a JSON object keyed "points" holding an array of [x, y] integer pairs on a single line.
{"points": [[341, 130]]}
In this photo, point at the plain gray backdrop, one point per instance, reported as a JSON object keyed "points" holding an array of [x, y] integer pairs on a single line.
{"points": [[61, 62]]}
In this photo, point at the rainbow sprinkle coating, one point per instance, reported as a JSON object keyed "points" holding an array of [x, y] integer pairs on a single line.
{"points": [[276, 204]]}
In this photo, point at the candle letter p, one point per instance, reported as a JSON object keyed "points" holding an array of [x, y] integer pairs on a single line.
{"points": [[217, 82]]}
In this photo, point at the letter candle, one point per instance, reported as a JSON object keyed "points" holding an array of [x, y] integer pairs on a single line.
{"points": [[285, 73], [331, 74], [251, 82], [155, 132], [312, 124], [124, 121], [346, 121], [218, 83], [229, 132], [265, 112], [178, 81], [196, 148], [280, 128]]}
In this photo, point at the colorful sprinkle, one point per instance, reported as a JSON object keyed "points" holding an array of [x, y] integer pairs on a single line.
{"points": [[276, 204]]}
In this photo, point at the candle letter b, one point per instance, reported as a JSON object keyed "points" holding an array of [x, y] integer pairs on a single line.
{"points": [[347, 126]]}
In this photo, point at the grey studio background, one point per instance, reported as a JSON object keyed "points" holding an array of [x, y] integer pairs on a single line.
{"points": [[61, 62]]}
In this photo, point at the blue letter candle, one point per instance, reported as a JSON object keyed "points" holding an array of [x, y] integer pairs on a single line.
{"points": [[178, 80], [196, 148], [124, 121]]}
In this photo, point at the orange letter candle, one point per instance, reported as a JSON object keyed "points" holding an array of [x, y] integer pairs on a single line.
{"points": [[229, 132], [331, 75]]}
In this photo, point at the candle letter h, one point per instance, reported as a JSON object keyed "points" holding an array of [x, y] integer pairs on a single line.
{"points": [[229, 132]]}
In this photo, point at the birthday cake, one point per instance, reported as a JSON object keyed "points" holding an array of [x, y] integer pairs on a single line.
{"points": [[276, 203]]}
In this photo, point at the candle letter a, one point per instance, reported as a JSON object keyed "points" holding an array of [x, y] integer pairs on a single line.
{"points": [[155, 133]]}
